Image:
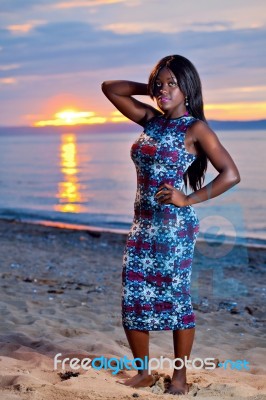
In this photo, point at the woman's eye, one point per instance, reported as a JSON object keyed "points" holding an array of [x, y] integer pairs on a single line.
{"points": [[170, 84]]}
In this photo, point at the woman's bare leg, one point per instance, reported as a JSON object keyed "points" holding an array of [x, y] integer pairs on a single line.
{"points": [[183, 342], [139, 344]]}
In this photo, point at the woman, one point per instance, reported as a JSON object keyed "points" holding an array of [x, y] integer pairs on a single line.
{"points": [[172, 151]]}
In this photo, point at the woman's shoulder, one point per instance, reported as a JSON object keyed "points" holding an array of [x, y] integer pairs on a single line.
{"points": [[200, 130], [194, 123]]}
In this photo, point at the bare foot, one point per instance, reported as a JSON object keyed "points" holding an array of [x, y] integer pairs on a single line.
{"points": [[178, 388], [139, 381]]}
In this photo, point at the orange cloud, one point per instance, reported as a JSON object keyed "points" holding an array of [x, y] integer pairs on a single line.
{"points": [[84, 3], [116, 116], [236, 111], [24, 28], [125, 28], [7, 81]]}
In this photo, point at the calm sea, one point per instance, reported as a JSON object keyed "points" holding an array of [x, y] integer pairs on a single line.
{"points": [[89, 179]]}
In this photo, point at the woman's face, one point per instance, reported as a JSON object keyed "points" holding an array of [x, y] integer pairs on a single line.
{"points": [[168, 95]]}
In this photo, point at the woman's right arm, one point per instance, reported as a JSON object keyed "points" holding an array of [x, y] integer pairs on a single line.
{"points": [[121, 93]]}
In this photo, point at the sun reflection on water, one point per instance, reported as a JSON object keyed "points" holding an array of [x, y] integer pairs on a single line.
{"points": [[70, 193]]}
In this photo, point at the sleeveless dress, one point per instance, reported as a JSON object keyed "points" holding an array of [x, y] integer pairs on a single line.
{"points": [[157, 258]]}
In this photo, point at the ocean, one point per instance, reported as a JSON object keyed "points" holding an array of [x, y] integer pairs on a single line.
{"points": [[90, 180]]}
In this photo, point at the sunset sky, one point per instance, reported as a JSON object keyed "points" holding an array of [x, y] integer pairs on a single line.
{"points": [[54, 54]]}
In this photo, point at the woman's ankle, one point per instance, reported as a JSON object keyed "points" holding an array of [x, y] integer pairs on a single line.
{"points": [[144, 372]]}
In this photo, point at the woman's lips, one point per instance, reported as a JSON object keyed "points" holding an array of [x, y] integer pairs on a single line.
{"points": [[164, 99]]}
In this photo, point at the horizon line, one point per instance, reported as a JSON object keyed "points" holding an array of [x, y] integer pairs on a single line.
{"points": [[128, 123]]}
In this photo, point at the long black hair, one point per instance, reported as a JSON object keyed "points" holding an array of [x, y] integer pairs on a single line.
{"points": [[190, 85]]}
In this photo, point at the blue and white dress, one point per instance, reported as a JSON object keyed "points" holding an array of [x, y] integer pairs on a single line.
{"points": [[157, 259]]}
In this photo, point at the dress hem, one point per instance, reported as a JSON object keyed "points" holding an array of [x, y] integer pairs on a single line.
{"points": [[160, 328]]}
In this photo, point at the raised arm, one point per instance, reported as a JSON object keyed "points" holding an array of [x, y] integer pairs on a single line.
{"points": [[121, 93]]}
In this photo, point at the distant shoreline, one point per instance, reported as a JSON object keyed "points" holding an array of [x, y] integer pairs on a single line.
{"points": [[126, 127]]}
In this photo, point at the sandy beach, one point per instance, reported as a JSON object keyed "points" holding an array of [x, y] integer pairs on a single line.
{"points": [[60, 293]]}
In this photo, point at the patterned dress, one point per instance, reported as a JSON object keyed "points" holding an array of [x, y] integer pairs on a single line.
{"points": [[158, 254]]}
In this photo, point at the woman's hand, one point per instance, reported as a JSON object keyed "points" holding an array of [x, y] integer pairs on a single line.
{"points": [[167, 194]]}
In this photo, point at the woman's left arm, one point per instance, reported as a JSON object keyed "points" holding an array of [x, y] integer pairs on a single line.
{"points": [[221, 160]]}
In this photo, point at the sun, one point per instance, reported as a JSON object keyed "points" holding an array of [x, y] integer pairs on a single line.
{"points": [[70, 117]]}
